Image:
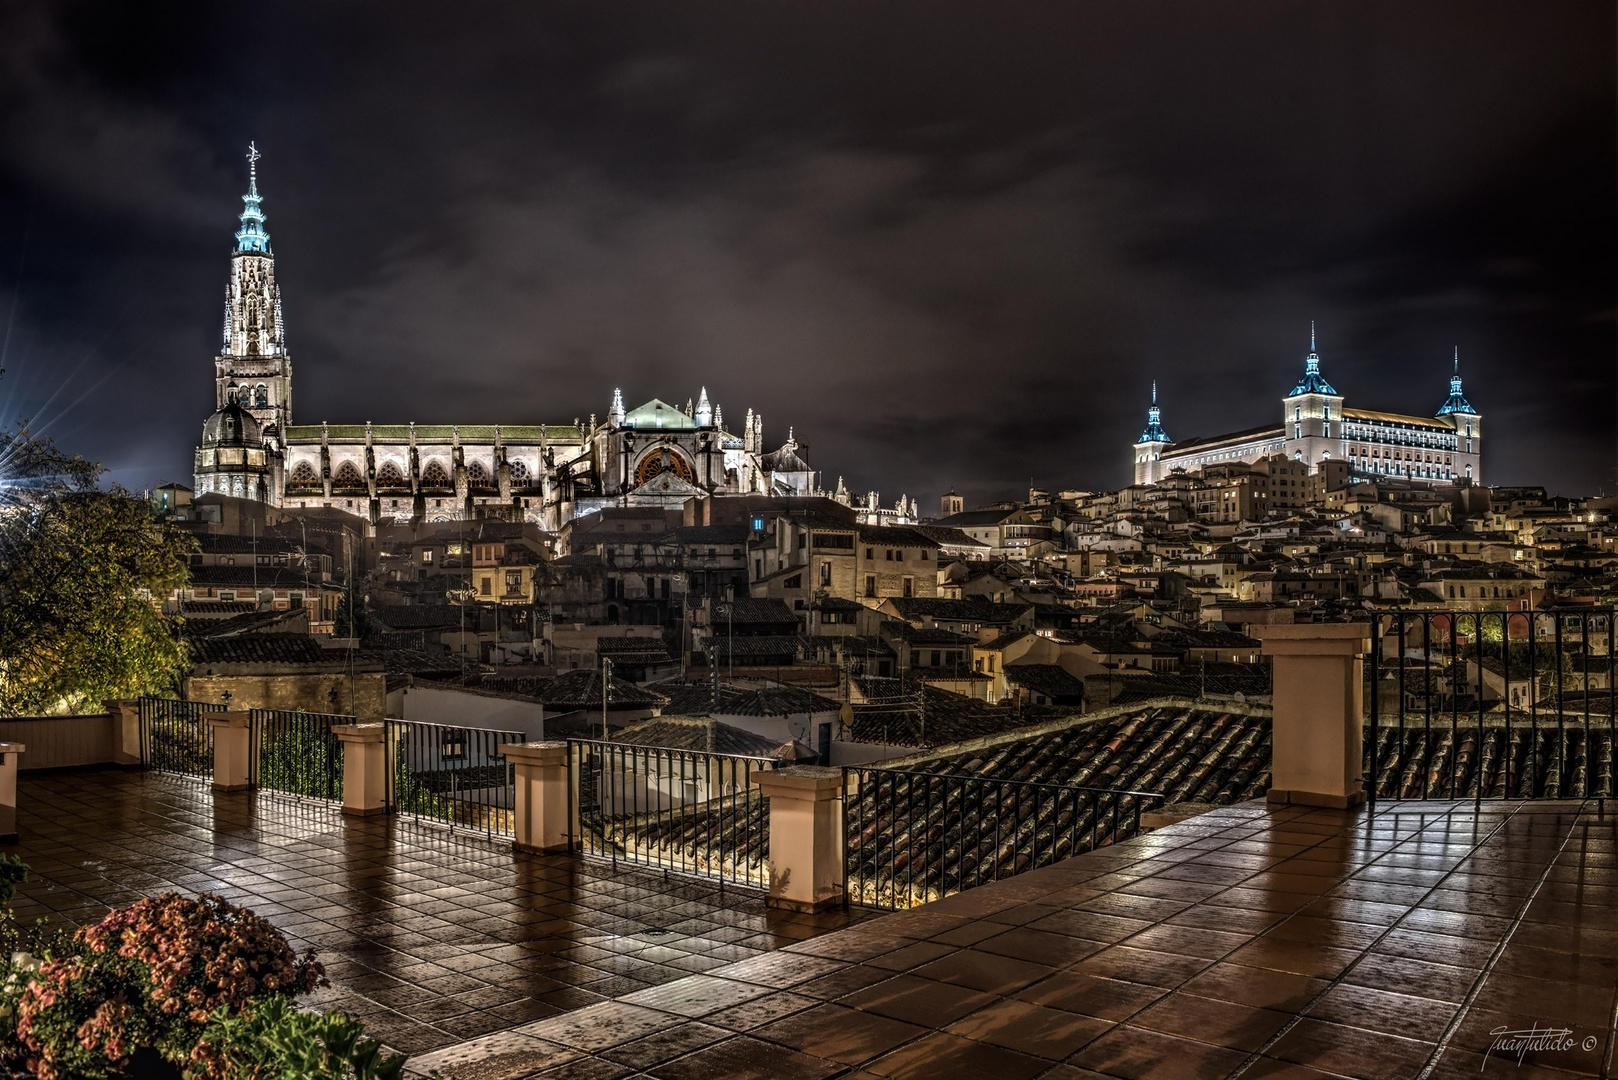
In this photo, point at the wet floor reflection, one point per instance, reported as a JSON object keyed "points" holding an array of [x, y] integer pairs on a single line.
{"points": [[430, 936]]}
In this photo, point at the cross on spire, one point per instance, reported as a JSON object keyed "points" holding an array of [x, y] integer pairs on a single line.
{"points": [[252, 157]]}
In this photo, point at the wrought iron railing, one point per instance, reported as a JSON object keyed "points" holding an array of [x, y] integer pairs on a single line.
{"points": [[174, 738], [684, 811], [914, 837], [295, 752], [453, 775], [1491, 704]]}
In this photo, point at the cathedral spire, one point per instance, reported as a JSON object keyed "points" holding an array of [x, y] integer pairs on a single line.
{"points": [[615, 415], [704, 416], [251, 236], [1154, 422]]}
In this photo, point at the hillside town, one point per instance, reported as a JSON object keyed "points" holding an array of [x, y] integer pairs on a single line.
{"points": [[799, 619]]}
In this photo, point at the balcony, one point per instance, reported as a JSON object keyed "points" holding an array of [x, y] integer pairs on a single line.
{"points": [[1411, 937]]}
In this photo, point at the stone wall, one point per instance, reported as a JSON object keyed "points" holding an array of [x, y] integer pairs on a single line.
{"points": [[312, 692]]}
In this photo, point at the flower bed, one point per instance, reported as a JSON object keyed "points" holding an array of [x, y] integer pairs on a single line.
{"points": [[189, 985]]}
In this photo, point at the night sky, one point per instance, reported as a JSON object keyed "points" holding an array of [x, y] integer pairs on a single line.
{"points": [[950, 244]]}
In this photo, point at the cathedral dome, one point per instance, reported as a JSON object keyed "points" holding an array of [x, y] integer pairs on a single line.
{"points": [[232, 426]]}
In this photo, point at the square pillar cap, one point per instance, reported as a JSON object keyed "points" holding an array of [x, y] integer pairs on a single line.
{"points": [[360, 733], [535, 753], [1313, 639], [12, 748], [226, 719], [817, 782]]}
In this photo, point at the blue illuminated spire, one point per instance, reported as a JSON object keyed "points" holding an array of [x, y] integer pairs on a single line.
{"points": [[1154, 421], [1456, 402], [1312, 382], [251, 236]]}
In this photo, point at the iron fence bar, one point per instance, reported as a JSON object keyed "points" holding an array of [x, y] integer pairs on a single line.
{"points": [[1399, 768], [1584, 678], [1375, 754], [1561, 704]]}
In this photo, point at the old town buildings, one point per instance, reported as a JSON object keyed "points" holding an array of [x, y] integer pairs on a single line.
{"points": [[659, 544]]}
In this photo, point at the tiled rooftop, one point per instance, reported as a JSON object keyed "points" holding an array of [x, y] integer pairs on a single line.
{"points": [[429, 936], [1250, 942]]}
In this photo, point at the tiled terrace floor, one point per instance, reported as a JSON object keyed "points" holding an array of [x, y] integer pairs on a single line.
{"points": [[1248, 942], [431, 937]]}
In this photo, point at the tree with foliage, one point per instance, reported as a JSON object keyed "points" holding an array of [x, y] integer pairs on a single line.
{"points": [[82, 574], [353, 621]]}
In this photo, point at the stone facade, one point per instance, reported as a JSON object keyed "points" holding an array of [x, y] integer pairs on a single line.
{"points": [[1317, 428], [366, 699], [655, 455]]}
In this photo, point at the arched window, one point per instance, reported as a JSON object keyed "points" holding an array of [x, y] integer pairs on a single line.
{"points": [[519, 472], [476, 475], [231, 394], [434, 475], [348, 476], [261, 396], [304, 475], [389, 475]]}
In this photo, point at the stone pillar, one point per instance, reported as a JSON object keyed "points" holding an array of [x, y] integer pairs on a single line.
{"points": [[1318, 672], [9, 753], [125, 731], [232, 744], [365, 768], [542, 812], [806, 849]]}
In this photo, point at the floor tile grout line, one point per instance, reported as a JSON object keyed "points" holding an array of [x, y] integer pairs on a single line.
{"points": [[1122, 1022], [1476, 988], [1290, 915], [1336, 981]]}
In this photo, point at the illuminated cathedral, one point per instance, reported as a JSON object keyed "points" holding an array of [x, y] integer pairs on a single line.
{"points": [[656, 454]]}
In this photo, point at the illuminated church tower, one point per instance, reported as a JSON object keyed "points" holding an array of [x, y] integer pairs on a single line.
{"points": [[242, 453], [253, 368]]}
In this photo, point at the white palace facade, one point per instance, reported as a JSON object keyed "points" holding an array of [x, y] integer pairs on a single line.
{"points": [[1315, 427], [656, 454]]}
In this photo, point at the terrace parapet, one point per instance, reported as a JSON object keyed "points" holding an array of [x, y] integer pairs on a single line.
{"points": [[9, 754], [806, 823], [542, 808], [365, 791], [125, 731], [1319, 712]]}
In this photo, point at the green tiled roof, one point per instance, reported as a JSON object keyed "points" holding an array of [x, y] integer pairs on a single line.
{"points": [[432, 432]]}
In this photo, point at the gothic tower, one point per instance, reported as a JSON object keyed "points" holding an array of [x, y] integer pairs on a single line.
{"points": [[253, 368]]}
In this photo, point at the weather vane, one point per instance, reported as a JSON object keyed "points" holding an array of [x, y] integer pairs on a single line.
{"points": [[252, 156]]}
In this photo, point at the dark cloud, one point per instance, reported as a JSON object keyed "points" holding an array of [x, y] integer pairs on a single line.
{"points": [[948, 244]]}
